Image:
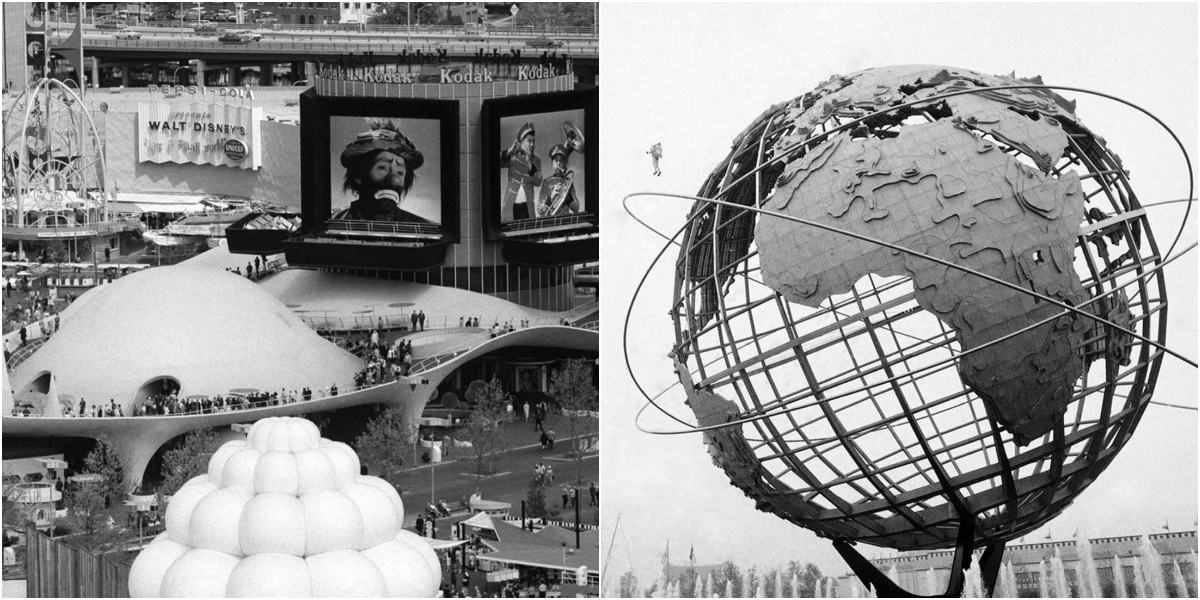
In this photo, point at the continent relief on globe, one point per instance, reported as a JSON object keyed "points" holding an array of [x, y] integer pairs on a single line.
{"points": [[940, 189]]}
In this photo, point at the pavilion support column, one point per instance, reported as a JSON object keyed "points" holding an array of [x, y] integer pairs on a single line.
{"points": [[126, 75], [95, 72], [234, 76], [266, 74], [154, 72], [200, 73], [136, 445]]}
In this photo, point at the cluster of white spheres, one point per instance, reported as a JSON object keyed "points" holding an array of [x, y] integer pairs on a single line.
{"points": [[285, 513]]}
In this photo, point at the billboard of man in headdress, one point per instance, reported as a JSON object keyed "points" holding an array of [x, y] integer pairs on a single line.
{"points": [[387, 176]]}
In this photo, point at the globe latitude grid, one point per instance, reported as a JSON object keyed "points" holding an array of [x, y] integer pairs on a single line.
{"points": [[867, 431]]}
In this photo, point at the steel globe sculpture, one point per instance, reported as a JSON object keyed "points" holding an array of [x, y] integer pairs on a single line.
{"points": [[953, 333]]}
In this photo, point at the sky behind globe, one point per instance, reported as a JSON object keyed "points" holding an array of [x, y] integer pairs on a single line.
{"points": [[696, 90]]}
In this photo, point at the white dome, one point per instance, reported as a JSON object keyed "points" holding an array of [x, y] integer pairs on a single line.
{"points": [[341, 538], [208, 329]]}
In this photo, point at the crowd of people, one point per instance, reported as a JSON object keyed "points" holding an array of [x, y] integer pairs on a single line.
{"points": [[383, 361], [165, 404]]}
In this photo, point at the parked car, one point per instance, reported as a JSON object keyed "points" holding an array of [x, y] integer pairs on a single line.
{"points": [[238, 37], [127, 34], [110, 24], [471, 36], [543, 42]]}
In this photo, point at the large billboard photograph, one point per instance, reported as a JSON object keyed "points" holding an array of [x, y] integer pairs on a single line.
{"points": [[385, 169], [540, 165], [380, 169], [542, 180]]}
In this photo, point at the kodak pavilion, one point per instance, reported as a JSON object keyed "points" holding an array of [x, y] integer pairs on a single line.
{"points": [[466, 191]]}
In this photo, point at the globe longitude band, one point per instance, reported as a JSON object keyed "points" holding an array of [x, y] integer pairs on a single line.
{"points": [[864, 431]]}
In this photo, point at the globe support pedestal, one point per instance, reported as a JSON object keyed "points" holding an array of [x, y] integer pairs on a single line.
{"points": [[884, 587]]}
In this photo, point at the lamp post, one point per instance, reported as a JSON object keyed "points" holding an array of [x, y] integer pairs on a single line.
{"points": [[175, 74], [423, 7]]}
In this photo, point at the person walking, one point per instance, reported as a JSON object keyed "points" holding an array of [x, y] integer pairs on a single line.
{"points": [[550, 435], [566, 496], [421, 320], [413, 320], [544, 440], [525, 408], [537, 422]]}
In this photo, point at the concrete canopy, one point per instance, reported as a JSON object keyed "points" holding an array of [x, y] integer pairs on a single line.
{"points": [[209, 330]]}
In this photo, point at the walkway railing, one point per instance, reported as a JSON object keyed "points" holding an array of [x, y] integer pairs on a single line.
{"points": [[369, 319], [25, 352], [426, 364], [383, 46], [228, 408]]}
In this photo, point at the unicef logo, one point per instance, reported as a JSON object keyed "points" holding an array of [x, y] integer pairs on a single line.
{"points": [[235, 150]]}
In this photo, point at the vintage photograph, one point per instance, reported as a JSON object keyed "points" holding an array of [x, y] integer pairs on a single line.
{"points": [[542, 181], [893, 301], [261, 335], [385, 169]]}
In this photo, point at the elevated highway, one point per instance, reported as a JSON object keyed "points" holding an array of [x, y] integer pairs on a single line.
{"points": [[159, 46]]}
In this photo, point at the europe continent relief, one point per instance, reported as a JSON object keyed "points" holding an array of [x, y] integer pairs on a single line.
{"points": [[941, 190]]}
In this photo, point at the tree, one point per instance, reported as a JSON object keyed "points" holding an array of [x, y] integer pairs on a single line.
{"points": [[397, 13], [729, 572], [535, 500], [95, 506], [387, 446], [94, 522], [558, 14], [687, 583], [810, 578], [576, 394], [482, 429], [187, 460], [750, 584], [629, 585], [103, 460], [15, 514], [56, 251]]}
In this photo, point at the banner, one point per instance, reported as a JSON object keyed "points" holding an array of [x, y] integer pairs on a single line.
{"points": [[200, 133]]}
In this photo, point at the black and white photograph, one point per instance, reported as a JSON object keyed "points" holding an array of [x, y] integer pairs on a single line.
{"points": [[385, 169], [542, 170], [893, 294], [262, 338]]}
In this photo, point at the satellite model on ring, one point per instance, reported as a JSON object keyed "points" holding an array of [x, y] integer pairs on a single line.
{"points": [[918, 307]]}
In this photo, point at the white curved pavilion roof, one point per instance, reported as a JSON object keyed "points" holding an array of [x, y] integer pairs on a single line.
{"points": [[211, 330]]}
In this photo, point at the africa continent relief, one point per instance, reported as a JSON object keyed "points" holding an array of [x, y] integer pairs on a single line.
{"points": [[943, 190]]}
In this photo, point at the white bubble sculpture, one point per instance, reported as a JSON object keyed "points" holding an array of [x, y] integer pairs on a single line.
{"points": [[285, 513]]}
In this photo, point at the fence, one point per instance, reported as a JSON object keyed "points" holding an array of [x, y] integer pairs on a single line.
{"points": [[54, 569]]}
